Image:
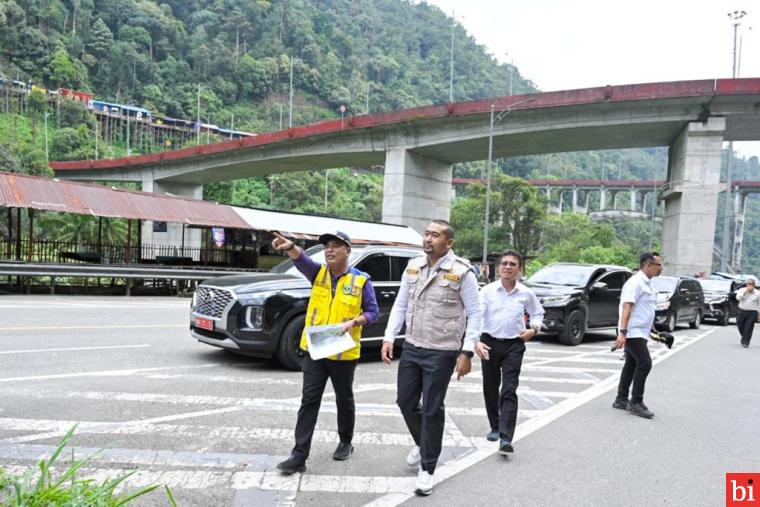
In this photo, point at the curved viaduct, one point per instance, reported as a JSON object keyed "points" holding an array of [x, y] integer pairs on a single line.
{"points": [[418, 147]]}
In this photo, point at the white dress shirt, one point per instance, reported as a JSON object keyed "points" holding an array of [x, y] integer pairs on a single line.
{"points": [[639, 291], [748, 300], [468, 291], [504, 312]]}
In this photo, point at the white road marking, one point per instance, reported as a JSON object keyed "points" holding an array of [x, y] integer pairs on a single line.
{"points": [[110, 373], [74, 349], [85, 326]]}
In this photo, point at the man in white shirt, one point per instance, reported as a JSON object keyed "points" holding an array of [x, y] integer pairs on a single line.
{"points": [[637, 310], [502, 345], [749, 305], [438, 301]]}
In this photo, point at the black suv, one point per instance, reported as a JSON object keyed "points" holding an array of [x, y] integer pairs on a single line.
{"points": [[578, 297], [679, 300], [262, 314], [720, 299]]}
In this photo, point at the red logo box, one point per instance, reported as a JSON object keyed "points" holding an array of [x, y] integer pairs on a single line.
{"points": [[742, 489]]}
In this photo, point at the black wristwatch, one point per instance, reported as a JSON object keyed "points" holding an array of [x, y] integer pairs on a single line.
{"points": [[467, 353], [622, 331], [292, 246]]}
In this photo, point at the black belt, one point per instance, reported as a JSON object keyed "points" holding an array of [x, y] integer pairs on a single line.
{"points": [[490, 337]]}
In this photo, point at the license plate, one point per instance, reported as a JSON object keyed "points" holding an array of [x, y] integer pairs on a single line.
{"points": [[206, 324]]}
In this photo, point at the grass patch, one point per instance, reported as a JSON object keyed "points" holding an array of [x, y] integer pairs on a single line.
{"points": [[39, 488]]}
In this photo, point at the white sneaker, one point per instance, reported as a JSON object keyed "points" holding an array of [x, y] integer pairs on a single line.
{"points": [[424, 484], [414, 458]]}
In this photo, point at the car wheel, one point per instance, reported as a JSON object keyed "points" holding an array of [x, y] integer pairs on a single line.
{"points": [[575, 328], [670, 324], [697, 321], [289, 353]]}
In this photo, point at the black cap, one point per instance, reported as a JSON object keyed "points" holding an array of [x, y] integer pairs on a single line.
{"points": [[340, 236]]}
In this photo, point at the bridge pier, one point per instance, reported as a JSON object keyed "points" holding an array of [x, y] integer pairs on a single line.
{"points": [[416, 189], [175, 234], [691, 198], [740, 208]]}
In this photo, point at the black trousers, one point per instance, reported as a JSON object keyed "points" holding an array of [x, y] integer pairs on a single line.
{"points": [[638, 364], [425, 373], [745, 321], [315, 375], [501, 376]]}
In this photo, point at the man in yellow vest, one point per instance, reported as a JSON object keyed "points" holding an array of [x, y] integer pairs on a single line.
{"points": [[343, 295]]}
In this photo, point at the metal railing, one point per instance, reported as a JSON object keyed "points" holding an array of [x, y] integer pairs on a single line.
{"points": [[64, 252]]}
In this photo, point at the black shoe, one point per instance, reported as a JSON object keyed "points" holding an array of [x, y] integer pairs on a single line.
{"points": [[343, 451], [492, 436], [291, 466], [620, 404], [745, 345], [506, 447], [639, 409]]}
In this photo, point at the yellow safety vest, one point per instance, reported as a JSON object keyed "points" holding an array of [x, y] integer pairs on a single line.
{"points": [[346, 305]]}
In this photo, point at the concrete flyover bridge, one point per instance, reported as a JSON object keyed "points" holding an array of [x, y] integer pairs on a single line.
{"points": [[418, 147]]}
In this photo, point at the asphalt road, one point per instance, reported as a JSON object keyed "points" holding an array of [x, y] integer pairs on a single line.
{"points": [[212, 425]]}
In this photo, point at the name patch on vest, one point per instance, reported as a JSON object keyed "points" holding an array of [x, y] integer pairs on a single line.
{"points": [[413, 271], [452, 277], [350, 290]]}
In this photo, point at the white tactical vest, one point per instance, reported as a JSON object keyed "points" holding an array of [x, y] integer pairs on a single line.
{"points": [[435, 316]]}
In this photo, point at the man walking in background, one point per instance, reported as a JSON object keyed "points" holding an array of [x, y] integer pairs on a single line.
{"points": [[637, 311], [502, 345], [438, 301], [749, 305]]}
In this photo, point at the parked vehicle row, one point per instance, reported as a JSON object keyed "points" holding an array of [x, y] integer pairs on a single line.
{"points": [[263, 314]]}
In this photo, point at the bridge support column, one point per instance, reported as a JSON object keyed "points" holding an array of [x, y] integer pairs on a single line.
{"points": [[740, 207], [416, 189], [576, 208], [171, 238], [691, 198], [634, 195], [602, 199]]}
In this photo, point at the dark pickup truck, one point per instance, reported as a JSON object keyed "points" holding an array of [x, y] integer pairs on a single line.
{"points": [[262, 314], [578, 297]]}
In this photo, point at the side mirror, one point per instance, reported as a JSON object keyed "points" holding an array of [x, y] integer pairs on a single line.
{"points": [[599, 287], [683, 290]]}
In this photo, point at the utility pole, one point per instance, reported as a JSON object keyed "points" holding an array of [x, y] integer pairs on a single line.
{"points": [[290, 108], [47, 154], [366, 106], [128, 151], [97, 122], [451, 60], [198, 118], [725, 259]]}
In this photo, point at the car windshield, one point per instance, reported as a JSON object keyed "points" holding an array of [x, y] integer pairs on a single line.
{"points": [[715, 285], [665, 284], [317, 254], [562, 274]]}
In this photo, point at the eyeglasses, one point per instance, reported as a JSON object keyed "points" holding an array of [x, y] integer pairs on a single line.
{"points": [[507, 263]]}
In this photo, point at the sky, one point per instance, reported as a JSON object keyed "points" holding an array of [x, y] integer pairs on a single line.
{"points": [[567, 44]]}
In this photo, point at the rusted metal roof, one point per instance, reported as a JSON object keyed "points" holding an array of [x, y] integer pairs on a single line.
{"points": [[22, 191]]}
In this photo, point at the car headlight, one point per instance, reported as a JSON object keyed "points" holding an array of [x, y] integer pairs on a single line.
{"points": [[664, 305], [556, 300], [254, 317]]}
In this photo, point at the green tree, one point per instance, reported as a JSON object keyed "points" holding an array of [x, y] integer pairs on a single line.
{"points": [[63, 72], [100, 40]]}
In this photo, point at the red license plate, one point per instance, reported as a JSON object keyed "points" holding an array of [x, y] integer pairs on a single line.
{"points": [[206, 324]]}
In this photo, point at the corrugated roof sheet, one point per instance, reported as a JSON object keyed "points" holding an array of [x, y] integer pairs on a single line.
{"points": [[312, 226], [22, 191]]}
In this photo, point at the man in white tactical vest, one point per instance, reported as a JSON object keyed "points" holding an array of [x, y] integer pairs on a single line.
{"points": [[438, 300]]}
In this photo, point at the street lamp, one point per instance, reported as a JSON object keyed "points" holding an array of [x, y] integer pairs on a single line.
{"points": [[735, 18], [494, 120]]}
